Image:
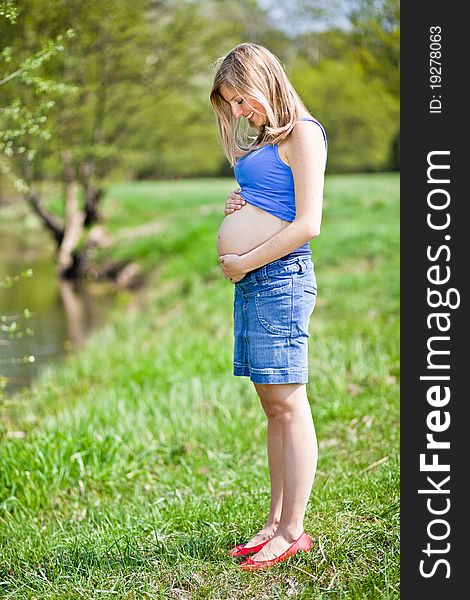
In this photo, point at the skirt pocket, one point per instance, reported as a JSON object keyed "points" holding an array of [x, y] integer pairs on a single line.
{"points": [[274, 307], [305, 298]]}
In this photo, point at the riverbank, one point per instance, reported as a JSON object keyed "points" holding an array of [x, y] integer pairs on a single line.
{"points": [[129, 469]]}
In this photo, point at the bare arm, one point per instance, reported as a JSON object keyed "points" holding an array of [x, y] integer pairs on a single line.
{"points": [[305, 150]]}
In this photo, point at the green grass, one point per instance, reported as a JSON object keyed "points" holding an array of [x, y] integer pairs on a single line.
{"points": [[144, 458]]}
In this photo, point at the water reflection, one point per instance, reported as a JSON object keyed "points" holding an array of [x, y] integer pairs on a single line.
{"points": [[63, 313]]}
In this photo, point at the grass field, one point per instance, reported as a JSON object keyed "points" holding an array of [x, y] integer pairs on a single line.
{"points": [[144, 459]]}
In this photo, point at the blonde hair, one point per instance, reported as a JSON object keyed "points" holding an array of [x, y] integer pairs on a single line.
{"points": [[252, 70]]}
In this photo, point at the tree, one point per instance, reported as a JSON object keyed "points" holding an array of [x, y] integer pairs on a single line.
{"points": [[358, 112], [130, 72], [376, 37], [81, 146], [362, 37], [26, 96], [376, 40]]}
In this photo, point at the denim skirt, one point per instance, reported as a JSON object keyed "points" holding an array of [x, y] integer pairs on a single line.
{"points": [[272, 308]]}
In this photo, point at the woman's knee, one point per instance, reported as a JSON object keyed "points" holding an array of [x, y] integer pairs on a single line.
{"points": [[271, 409], [280, 392], [280, 401]]}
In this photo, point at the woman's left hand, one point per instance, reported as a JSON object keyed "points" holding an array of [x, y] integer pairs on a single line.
{"points": [[231, 266]]}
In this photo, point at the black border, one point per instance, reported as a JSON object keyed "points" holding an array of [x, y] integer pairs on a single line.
{"points": [[421, 133]]}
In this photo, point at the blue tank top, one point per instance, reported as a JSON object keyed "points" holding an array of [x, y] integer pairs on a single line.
{"points": [[267, 182]]}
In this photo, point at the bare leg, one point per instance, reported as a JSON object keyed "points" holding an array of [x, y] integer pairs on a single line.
{"points": [[275, 458], [286, 405]]}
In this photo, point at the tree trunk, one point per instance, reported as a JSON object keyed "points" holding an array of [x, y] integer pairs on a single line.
{"points": [[91, 194], [74, 219], [50, 222], [73, 263]]}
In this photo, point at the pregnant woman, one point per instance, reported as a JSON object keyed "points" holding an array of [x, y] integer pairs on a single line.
{"points": [[263, 247]]}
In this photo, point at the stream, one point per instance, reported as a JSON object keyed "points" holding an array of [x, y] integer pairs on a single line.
{"points": [[63, 313]]}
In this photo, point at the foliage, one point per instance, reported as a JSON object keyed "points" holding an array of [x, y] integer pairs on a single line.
{"points": [[376, 40], [350, 78], [358, 112], [8, 10], [28, 96], [149, 61], [142, 79]]}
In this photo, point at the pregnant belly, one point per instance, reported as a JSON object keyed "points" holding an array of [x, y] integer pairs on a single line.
{"points": [[247, 228]]}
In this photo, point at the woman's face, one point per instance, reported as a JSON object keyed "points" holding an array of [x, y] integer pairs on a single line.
{"points": [[243, 106]]}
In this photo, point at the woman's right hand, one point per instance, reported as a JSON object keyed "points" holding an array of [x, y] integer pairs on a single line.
{"points": [[234, 202]]}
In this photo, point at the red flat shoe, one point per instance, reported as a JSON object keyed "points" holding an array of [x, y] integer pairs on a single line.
{"points": [[241, 549], [303, 543]]}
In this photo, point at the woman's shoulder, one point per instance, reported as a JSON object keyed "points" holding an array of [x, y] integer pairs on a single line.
{"points": [[307, 133], [309, 119], [308, 127]]}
